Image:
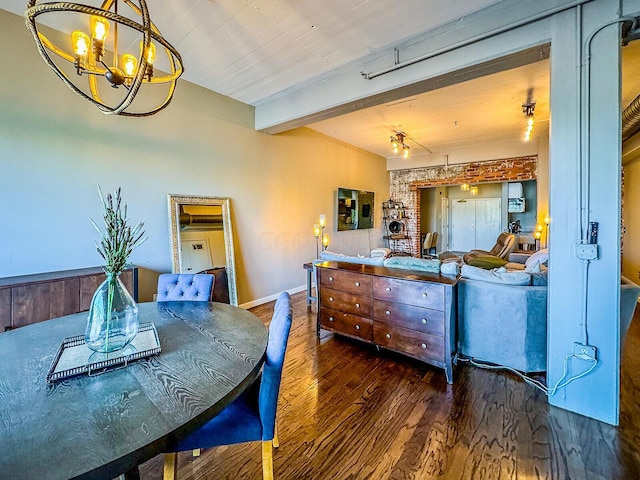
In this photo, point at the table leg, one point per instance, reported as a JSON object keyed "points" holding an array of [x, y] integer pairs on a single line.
{"points": [[310, 297], [132, 474]]}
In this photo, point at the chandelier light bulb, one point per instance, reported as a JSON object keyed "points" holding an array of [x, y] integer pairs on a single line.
{"points": [[323, 220], [405, 149], [129, 63], [316, 230], [99, 28], [80, 42], [325, 241]]}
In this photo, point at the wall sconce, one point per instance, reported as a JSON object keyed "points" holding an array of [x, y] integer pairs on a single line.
{"points": [[318, 232], [474, 190], [397, 144], [527, 109], [464, 187]]}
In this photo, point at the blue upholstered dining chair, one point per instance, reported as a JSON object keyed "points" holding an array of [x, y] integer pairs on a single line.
{"points": [[252, 416], [185, 286]]}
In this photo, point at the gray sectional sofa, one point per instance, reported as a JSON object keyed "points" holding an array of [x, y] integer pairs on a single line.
{"points": [[503, 324]]}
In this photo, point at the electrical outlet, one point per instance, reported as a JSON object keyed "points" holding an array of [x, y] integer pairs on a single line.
{"points": [[587, 251], [584, 352]]}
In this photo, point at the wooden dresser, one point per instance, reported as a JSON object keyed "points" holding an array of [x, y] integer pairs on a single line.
{"points": [[33, 298], [401, 310]]}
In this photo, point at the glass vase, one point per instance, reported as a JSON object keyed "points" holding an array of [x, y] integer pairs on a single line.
{"points": [[113, 317]]}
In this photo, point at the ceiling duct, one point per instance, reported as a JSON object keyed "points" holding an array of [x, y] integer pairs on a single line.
{"points": [[189, 221], [631, 119]]}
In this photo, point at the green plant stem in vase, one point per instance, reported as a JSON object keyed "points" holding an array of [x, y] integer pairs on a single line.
{"points": [[113, 315]]}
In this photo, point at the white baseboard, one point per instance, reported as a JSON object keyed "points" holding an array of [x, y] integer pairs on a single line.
{"points": [[270, 298]]}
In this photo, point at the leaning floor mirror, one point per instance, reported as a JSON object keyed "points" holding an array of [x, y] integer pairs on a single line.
{"points": [[202, 241]]}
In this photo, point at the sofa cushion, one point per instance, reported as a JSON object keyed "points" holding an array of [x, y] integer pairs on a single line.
{"points": [[541, 256], [533, 268], [498, 275], [484, 261], [539, 279]]}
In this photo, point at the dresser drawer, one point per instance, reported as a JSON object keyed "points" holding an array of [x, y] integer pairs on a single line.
{"points": [[346, 323], [346, 281], [346, 302], [421, 294], [422, 346], [408, 316]]}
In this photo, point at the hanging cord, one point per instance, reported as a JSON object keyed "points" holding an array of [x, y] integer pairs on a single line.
{"points": [[561, 383]]}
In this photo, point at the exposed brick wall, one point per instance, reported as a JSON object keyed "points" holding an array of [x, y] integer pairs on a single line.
{"points": [[405, 185]]}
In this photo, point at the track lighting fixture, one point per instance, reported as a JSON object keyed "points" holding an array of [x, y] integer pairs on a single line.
{"points": [[397, 144], [527, 109]]}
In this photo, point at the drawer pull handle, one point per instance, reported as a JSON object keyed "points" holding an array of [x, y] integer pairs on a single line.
{"points": [[388, 335], [424, 345], [388, 289], [331, 299], [357, 327], [357, 305], [424, 321], [331, 319], [387, 312], [331, 279], [357, 284], [424, 295]]}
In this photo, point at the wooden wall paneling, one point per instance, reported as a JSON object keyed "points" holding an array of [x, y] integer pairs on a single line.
{"points": [[88, 286], [5, 308], [42, 301], [90, 283]]}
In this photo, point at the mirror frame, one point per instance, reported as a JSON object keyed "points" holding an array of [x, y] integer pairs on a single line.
{"points": [[174, 202]]}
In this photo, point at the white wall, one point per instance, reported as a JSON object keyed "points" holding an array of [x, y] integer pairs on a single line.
{"points": [[56, 147]]}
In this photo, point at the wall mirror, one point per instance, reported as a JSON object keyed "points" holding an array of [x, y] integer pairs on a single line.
{"points": [[202, 241]]}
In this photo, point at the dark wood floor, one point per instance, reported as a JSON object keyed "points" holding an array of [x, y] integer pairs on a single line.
{"points": [[347, 411]]}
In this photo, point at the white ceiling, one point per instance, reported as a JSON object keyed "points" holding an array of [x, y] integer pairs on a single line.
{"points": [[253, 49]]}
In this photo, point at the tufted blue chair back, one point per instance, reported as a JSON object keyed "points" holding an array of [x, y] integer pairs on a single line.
{"points": [[185, 286], [272, 369]]}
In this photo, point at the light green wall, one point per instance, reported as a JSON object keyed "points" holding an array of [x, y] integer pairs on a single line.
{"points": [[56, 147]]}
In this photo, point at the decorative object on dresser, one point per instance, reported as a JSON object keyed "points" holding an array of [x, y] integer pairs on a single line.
{"points": [[406, 311], [113, 315]]}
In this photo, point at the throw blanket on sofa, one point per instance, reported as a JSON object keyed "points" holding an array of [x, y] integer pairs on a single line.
{"points": [[380, 252], [412, 263]]}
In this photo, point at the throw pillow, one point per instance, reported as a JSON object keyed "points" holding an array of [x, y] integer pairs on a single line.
{"points": [[535, 268], [497, 275], [485, 261], [541, 256]]}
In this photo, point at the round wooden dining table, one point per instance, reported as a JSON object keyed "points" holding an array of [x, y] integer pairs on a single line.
{"points": [[105, 425]]}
